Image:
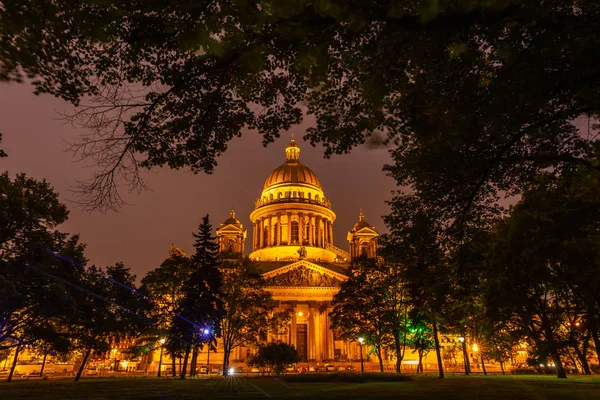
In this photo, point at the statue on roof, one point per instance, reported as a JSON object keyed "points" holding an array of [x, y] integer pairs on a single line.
{"points": [[302, 252]]}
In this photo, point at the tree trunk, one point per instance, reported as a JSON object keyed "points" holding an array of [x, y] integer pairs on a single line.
{"points": [[380, 359], [420, 365], [482, 364], [502, 366], [399, 355], [194, 361], [560, 370], [466, 356], [85, 358], [185, 361], [438, 352], [173, 365], [581, 356], [14, 364], [43, 364], [226, 352], [594, 330]]}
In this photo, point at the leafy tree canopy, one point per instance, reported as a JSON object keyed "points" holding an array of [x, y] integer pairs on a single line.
{"points": [[489, 87], [275, 355]]}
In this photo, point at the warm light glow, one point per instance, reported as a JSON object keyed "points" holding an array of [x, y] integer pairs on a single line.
{"points": [[124, 364], [461, 339], [475, 347], [361, 340], [163, 340], [231, 371], [300, 313]]}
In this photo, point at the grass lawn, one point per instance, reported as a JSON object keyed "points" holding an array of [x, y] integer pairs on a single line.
{"points": [[422, 387]]}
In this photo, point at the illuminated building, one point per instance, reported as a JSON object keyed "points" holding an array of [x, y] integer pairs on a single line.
{"points": [[292, 245]]}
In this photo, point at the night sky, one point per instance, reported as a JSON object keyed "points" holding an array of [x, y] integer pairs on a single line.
{"points": [[140, 234]]}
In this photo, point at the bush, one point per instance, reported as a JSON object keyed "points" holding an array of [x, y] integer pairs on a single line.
{"points": [[595, 368], [348, 377], [524, 371]]}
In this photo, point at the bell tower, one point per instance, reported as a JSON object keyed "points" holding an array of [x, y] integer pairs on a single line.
{"points": [[363, 239], [231, 235]]}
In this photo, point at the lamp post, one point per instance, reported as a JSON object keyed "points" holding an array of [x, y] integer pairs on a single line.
{"points": [[162, 342], [465, 355], [362, 364], [207, 333]]}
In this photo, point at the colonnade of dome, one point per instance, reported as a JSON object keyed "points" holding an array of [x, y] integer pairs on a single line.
{"points": [[291, 213]]}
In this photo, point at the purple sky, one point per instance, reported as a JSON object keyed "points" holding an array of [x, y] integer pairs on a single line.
{"points": [[140, 234]]}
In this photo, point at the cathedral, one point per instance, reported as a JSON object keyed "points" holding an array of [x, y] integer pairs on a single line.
{"points": [[292, 244]]}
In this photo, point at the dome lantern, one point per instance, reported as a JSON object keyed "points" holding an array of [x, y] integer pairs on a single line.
{"points": [[292, 151]]}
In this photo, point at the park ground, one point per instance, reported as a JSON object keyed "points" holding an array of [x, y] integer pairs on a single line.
{"points": [[419, 388]]}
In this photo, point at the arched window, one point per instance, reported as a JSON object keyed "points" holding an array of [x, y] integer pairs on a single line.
{"points": [[279, 195], [309, 195], [316, 197], [364, 249], [295, 237], [271, 197]]}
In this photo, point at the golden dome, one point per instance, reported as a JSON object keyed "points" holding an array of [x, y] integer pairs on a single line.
{"points": [[361, 222], [292, 171], [232, 220]]}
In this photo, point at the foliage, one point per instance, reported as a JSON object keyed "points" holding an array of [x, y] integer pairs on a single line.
{"points": [[275, 355], [249, 309], [488, 87], [545, 260]]}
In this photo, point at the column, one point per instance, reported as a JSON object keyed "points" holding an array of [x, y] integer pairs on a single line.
{"points": [[278, 236], [311, 333], [310, 230], [242, 244], [330, 226], [318, 337], [289, 228], [330, 339], [254, 235], [261, 239], [293, 328], [300, 228], [317, 231], [269, 233]]}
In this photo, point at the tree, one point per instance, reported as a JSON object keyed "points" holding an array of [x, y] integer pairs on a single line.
{"points": [[488, 87], [111, 311], [164, 286], [373, 303], [201, 306], [275, 355], [249, 309], [415, 243]]}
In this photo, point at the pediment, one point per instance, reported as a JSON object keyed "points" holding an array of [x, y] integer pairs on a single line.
{"points": [[303, 273], [367, 231], [231, 228]]}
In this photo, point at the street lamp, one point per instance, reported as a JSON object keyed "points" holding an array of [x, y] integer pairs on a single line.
{"points": [[162, 342], [362, 364], [207, 333]]}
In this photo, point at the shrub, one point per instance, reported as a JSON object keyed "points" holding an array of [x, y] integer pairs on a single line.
{"points": [[348, 377]]}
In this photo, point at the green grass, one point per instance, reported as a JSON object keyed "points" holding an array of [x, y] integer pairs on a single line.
{"points": [[419, 388]]}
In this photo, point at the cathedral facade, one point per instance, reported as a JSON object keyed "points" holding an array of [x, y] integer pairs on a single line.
{"points": [[292, 245]]}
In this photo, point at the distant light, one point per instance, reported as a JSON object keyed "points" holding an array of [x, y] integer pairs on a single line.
{"points": [[475, 347], [361, 340], [231, 371], [461, 339], [541, 365], [206, 331], [300, 313], [162, 341]]}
